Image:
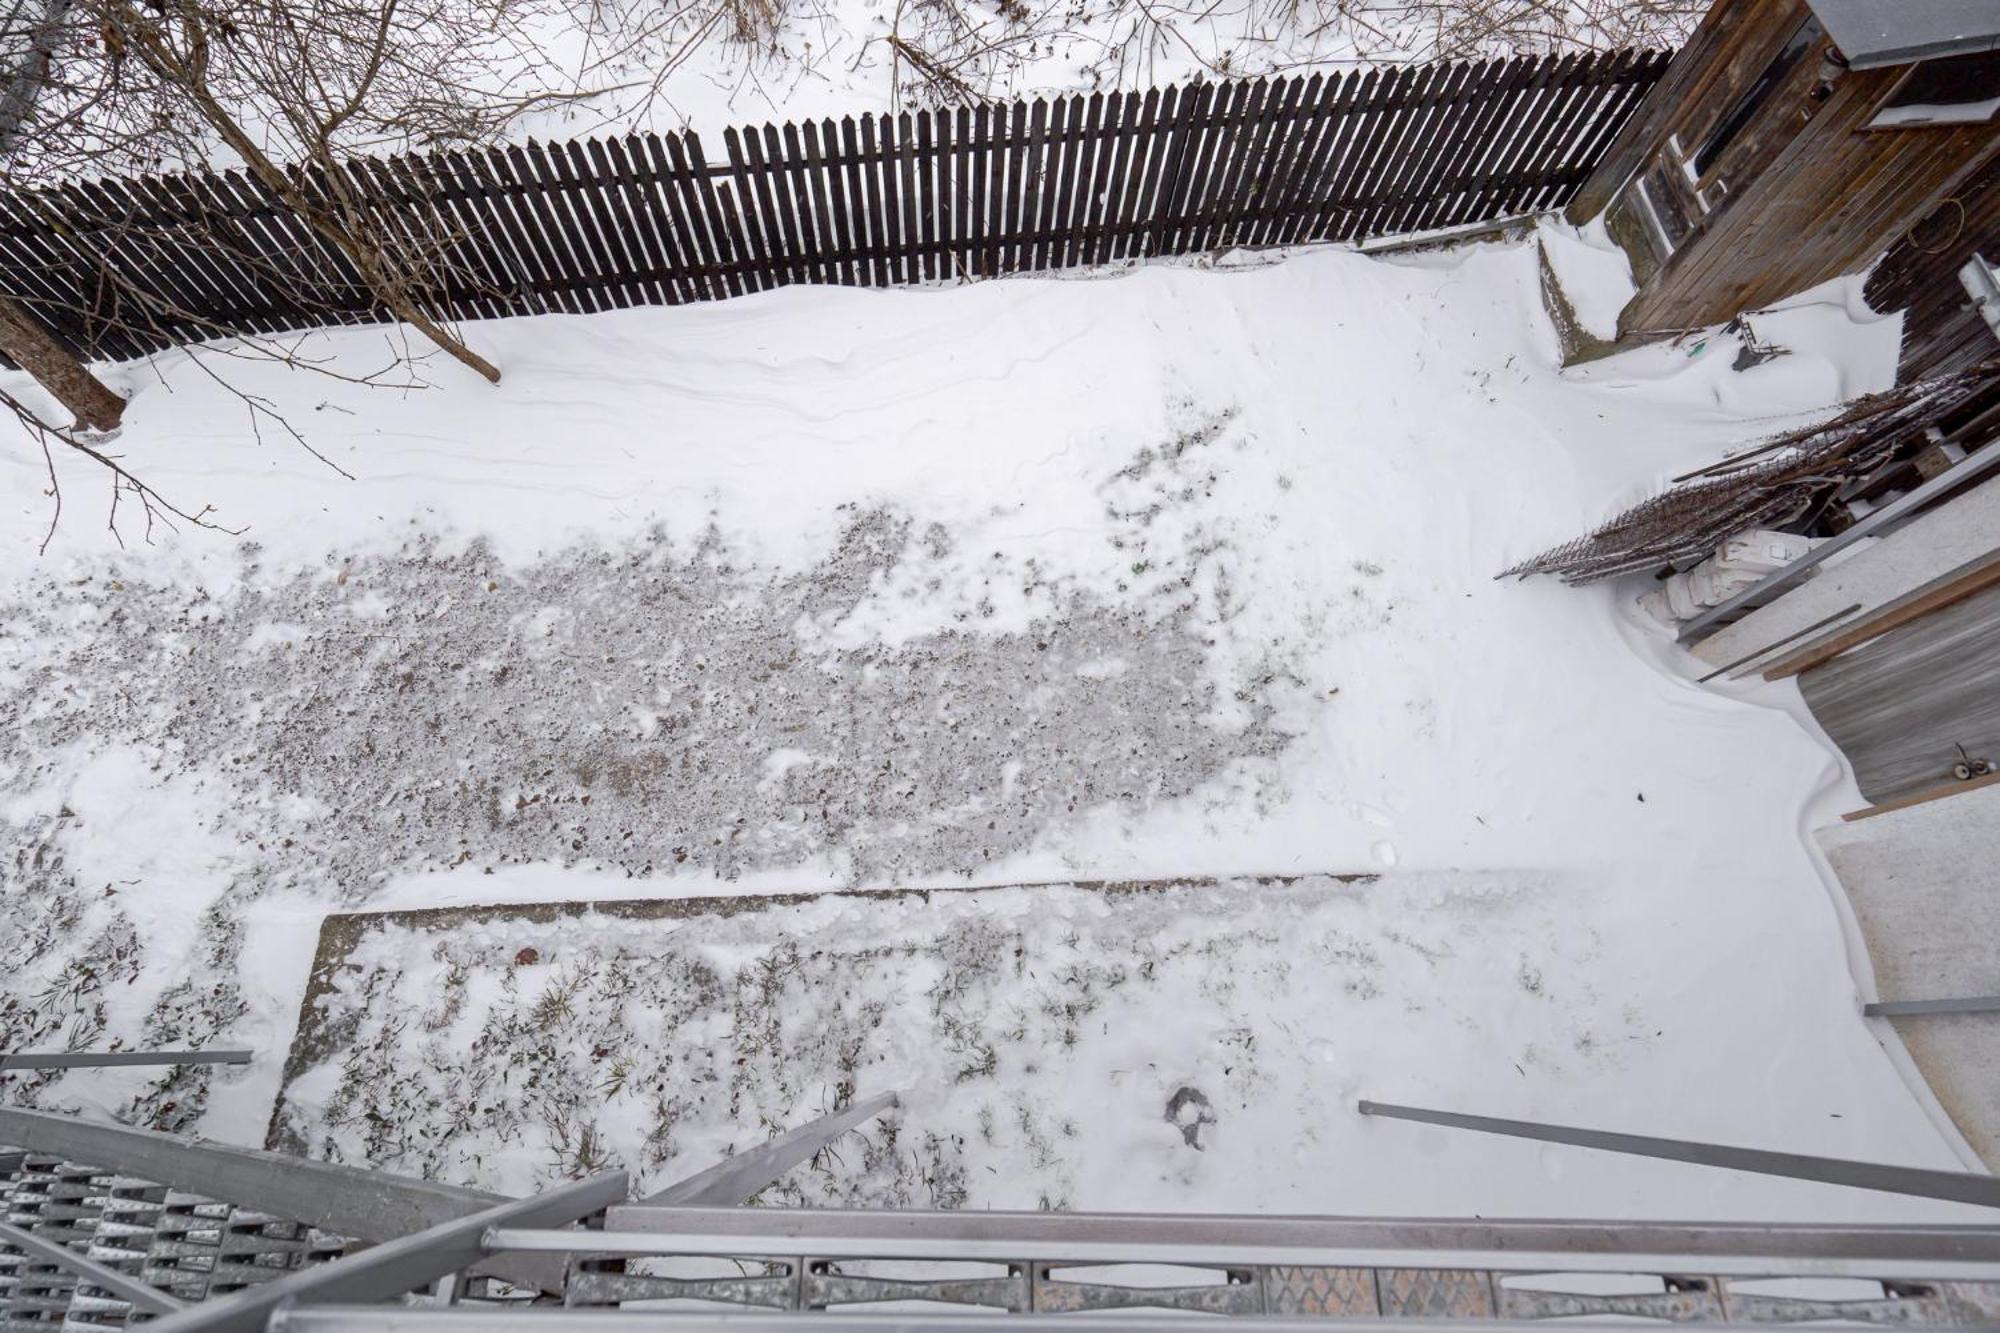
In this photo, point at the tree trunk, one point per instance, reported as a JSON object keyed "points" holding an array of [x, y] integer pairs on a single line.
{"points": [[33, 349]]}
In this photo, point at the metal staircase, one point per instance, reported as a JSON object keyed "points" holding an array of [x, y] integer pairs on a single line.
{"points": [[106, 1227]]}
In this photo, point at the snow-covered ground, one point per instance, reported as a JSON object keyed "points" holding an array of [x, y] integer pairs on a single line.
{"points": [[1183, 571], [708, 67]]}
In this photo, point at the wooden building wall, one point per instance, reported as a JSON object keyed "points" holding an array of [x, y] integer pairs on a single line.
{"points": [[1942, 330], [1810, 194]]}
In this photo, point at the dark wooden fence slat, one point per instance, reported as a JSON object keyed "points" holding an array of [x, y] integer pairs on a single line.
{"points": [[1555, 136], [832, 194], [667, 160], [774, 198], [702, 184], [1250, 161], [127, 267], [810, 216], [1404, 157], [1517, 87], [495, 168], [908, 173], [961, 201], [553, 226], [1535, 101], [880, 236], [1293, 123]]}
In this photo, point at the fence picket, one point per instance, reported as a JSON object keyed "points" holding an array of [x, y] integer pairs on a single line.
{"points": [[124, 267]]}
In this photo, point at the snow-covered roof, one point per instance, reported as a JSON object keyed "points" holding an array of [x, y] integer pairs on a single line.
{"points": [[1872, 33]]}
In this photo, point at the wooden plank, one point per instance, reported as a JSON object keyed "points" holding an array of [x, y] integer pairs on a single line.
{"points": [[499, 166], [875, 212], [1539, 104], [963, 131], [1094, 178], [1969, 578], [1923, 797], [1013, 187], [1491, 136], [933, 190], [1316, 181], [37, 276], [1122, 185], [593, 263], [1239, 162], [553, 224], [754, 242], [627, 156], [988, 172], [1417, 190], [302, 277], [429, 245], [1167, 165], [1058, 189], [774, 198], [1300, 119], [667, 173], [811, 203], [1203, 169], [1398, 151], [177, 264], [1593, 93], [629, 270], [1034, 184], [833, 193], [717, 213], [515, 287], [911, 169], [1344, 223]]}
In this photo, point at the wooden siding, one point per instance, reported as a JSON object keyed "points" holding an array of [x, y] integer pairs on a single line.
{"points": [[1900, 706], [1811, 195], [1729, 48], [1942, 330]]}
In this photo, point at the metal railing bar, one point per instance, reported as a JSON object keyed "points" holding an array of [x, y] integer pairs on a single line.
{"points": [[1041, 1231], [140, 1295], [380, 1319], [1915, 1182], [1211, 1254], [1969, 1004], [1961, 473], [398, 1266], [737, 1179], [115, 1059]]}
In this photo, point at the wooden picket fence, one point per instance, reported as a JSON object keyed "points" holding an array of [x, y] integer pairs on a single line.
{"points": [[120, 268]]}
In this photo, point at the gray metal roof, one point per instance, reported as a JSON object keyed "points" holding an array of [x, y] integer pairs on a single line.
{"points": [[1871, 33]]}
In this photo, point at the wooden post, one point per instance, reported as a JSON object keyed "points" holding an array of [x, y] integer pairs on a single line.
{"points": [[24, 339]]}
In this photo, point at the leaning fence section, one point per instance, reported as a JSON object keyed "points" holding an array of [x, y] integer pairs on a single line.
{"points": [[124, 267]]}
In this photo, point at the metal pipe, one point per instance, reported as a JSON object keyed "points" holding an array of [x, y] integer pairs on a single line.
{"points": [[737, 1179], [1778, 643], [1917, 1182], [1971, 1004], [398, 1266], [545, 1319], [1736, 1248], [139, 1295], [1967, 469], [115, 1059]]}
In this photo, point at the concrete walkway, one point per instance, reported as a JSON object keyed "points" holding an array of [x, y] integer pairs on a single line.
{"points": [[1925, 885]]}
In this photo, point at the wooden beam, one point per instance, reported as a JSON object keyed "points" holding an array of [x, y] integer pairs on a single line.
{"points": [[1955, 586], [1923, 797]]}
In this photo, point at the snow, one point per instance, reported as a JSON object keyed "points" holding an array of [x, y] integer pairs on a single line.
{"points": [[830, 58], [1181, 571]]}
